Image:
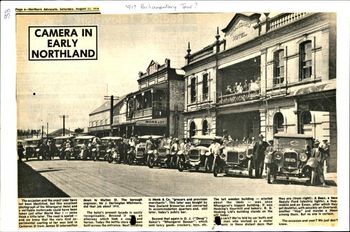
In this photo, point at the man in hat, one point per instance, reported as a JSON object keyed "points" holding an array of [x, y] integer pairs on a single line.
{"points": [[320, 157], [259, 155]]}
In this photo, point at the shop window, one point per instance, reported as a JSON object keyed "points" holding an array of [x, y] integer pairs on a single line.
{"points": [[205, 127], [305, 119], [193, 90], [278, 121], [192, 129], [278, 69], [305, 60], [205, 86]]}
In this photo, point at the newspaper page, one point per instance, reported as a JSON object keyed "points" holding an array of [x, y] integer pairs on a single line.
{"points": [[178, 116]]}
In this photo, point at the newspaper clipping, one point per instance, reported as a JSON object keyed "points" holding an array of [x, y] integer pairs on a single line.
{"points": [[175, 121]]}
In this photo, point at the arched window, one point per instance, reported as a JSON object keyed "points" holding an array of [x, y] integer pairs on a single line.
{"points": [[192, 129], [305, 49], [305, 119], [205, 127], [278, 121]]}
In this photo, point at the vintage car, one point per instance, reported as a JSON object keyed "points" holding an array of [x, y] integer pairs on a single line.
{"points": [[109, 154], [161, 157], [33, 148], [59, 141], [20, 149], [198, 156], [142, 153], [289, 156], [82, 147], [236, 158]]}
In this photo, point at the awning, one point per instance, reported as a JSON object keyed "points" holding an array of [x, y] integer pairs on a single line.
{"points": [[322, 87], [152, 122]]}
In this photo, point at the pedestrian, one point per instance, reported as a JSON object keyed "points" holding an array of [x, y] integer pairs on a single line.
{"points": [[259, 155], [320, 157]]}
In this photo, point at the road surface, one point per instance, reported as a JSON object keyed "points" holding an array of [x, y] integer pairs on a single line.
{"points": [[102, 179]]}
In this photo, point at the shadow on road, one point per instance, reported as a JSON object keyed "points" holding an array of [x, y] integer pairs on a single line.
{"points": [[32, 184]]}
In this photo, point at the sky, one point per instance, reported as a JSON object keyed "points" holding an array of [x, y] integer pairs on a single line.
{"points": [[126, 45]]}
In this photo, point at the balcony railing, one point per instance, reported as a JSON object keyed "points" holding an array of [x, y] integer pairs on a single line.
{"points": [[238, 97], [285, 19], [143, 112]]}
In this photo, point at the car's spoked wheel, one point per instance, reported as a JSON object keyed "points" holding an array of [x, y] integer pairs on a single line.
{"points": [[181, 165], [151, 162], [250, 168]]}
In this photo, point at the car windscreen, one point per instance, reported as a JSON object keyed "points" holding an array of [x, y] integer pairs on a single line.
{"points": [[291, 143], [81, 141], [34, 142]]}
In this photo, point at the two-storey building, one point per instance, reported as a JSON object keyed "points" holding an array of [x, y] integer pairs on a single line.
{"points": [[270, 73], [156, 108], [100, 119]]}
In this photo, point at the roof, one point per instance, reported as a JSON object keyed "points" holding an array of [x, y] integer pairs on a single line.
{"points": [[212, 137], [107, 105], [245, 15], [59, 132], [290, 135], [64, 137], [32, 139], [111, 137], [85, 137], [153, 136]]}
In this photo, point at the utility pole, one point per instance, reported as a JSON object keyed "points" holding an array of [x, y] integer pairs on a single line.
{"points": [[42, 131], [64, 122], [111, 98], [47, 129]]}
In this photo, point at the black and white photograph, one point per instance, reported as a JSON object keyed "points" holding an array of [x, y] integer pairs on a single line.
{"points": [[178, 105], [162, 115]]}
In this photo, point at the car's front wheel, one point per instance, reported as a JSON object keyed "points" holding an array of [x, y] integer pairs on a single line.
{"points": [[181, 165], [151, 161], [250, 168]]}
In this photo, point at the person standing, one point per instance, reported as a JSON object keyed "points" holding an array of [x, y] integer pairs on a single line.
{"points": [[320, 156], [259, 155]]}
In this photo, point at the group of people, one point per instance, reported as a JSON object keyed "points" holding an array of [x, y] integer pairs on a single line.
{"points": [[240, 87]]}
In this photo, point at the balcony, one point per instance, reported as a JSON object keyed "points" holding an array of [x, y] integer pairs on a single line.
{"points": [[238, 97], [285, 19], [143, 112]]}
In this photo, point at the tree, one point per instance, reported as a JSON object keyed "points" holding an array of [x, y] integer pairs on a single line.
{"points": [[79, 130]]}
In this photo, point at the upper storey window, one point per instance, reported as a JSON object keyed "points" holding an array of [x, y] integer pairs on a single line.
{"points": [[278, 71], [193, 90], [205, 86], [305, 60]]}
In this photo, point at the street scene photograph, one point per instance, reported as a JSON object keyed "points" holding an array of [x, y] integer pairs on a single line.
{"points": [[195, 104]]}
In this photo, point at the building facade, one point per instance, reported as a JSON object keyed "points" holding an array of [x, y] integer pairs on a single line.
{"points": [[156, 108], [270, 73], [100, 120]]}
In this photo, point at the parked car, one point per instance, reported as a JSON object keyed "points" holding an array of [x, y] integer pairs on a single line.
{"points": [[198, 156], [33, 148], [235, 158], [109, 153], [60, 143], [160, 156], [290, 157], [142, 152], [83, 147]]}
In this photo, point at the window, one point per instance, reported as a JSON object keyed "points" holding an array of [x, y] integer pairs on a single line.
{"points": [[193, 90], [278, 69], [205, 86], [192, 129], [205, 127], [278, 123], [305, 119], [305, 60]]}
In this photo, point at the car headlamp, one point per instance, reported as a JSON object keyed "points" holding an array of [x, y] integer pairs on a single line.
{"points": [[241, 156], [278, 156], [303, 157]]}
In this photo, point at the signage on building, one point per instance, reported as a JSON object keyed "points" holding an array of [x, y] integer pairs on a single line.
{"points": [[241, 31], [152, 122]]}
